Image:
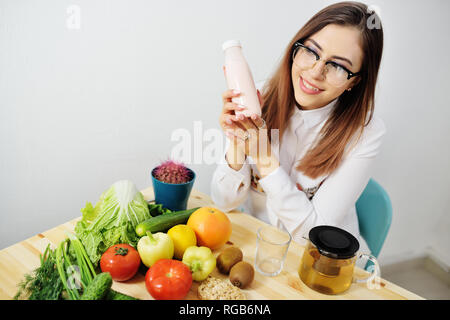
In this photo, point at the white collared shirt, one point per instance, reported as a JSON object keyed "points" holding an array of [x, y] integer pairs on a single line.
{"points": [[291, 200]]}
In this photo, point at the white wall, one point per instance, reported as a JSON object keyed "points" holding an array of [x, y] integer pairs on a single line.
{"points": [[83, 108], [413, 100]]}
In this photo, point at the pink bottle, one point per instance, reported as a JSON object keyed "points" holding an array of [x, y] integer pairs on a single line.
{"points": [[239, 76]]}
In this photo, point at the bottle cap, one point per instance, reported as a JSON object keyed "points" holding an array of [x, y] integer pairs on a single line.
{"points": [[231, 43]]}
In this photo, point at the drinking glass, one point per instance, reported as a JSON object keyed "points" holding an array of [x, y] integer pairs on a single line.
{"points": [[271, 248]]}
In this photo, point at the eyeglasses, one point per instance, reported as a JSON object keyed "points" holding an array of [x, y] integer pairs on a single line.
{"points": [[306, 58]]}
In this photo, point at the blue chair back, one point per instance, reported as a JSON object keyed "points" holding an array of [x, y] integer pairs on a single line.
{"points": [[374, 210]]}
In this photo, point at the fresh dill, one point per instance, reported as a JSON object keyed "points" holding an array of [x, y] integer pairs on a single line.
{"points": [[44, 283]]}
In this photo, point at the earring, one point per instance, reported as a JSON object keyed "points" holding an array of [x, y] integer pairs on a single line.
{"points": [[349, 89]]}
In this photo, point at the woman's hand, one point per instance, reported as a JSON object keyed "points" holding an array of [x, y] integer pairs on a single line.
{"points": [[250, 134], [239, 128], [228, 117], [229, 121]]}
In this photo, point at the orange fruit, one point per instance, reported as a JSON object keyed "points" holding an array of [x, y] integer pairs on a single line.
{"points": [[211, 226]]}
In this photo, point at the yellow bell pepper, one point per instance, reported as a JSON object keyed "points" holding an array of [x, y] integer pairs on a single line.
{"points": [[154, 247], [200, 261]]}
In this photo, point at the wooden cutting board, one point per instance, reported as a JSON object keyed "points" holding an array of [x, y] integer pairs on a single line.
{"points": [[23, 257]]}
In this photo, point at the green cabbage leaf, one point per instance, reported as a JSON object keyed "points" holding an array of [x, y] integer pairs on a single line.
{"points": [[113, 219]]}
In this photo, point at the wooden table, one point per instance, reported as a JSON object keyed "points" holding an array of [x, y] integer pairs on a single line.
{"points": [[23, 257]]}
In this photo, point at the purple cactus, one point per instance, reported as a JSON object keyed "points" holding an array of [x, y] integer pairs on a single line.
{"points": [[172, 172]]}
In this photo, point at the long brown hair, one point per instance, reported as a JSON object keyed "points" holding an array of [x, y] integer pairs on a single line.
{"points": [[353, 109]]}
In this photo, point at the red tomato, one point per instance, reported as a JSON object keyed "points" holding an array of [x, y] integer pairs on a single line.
{"points": [[122, 261], [168, 279]]}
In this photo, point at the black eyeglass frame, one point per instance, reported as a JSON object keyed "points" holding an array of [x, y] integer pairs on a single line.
{"points": [[298, 44]]}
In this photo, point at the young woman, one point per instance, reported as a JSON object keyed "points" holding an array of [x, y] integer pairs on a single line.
{"points": [[321, 101]]}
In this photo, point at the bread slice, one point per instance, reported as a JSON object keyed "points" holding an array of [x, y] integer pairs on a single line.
{"points": [[213, 288]]}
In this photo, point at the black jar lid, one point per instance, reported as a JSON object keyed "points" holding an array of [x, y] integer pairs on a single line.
{"points": [[334, 242]]}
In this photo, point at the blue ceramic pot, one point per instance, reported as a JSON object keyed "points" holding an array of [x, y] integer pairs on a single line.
{"points": [[172, 195]]}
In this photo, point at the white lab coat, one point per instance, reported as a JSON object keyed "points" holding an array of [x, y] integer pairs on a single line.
{"points": [[287, 198]]}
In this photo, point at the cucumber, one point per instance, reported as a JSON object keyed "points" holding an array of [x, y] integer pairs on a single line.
{"points": [[164, 222], [114, 295], [98, 288]]}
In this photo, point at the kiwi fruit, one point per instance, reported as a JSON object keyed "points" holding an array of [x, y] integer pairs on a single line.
{"points": [[228, 258], [242, 274]]}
